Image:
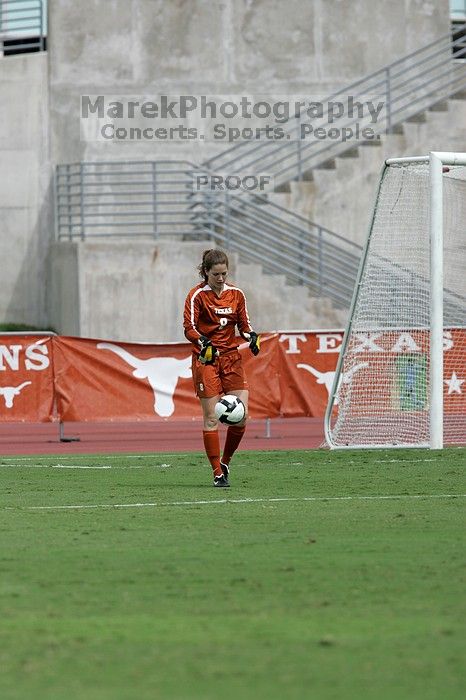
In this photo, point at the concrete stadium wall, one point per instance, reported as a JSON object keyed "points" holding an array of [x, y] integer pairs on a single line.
{"points": [[270, 47], [26, 221], [135, 291]]}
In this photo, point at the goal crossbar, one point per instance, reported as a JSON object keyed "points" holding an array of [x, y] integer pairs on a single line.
{"points": [[444, 157]]}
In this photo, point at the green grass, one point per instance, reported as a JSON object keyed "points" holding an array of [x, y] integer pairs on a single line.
{"points": [[327, 599], [10, 327]]}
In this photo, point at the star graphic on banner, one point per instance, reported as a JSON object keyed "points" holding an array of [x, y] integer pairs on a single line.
{"points": [[454, 384]]}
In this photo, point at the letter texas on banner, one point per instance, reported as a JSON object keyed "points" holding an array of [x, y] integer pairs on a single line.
{"points": [[44, 378]]}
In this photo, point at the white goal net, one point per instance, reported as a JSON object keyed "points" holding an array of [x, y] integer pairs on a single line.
{"points": [[383, 392]]}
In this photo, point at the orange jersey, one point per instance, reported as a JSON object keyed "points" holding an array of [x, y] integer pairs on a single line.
{"points": [[214, 316]]}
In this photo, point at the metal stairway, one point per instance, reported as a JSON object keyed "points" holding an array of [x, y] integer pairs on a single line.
{"points": [[409, 86], [142, 199]]}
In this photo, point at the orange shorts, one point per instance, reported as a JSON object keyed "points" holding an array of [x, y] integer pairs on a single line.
{"points": [[225, 375]]}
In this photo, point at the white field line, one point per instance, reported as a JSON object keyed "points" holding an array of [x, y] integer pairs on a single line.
{"points": [[82, 466], [110, 456], [76, 466], [189, 454], [223, 501], [62, 466], [12, 461], [403, 461]]}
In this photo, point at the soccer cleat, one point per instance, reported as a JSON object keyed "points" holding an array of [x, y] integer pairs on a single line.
{"points": [[225, 469], [221, 481]]}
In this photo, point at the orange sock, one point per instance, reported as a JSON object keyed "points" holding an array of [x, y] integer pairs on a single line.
{"points": [[234, 436], [212, 448]]}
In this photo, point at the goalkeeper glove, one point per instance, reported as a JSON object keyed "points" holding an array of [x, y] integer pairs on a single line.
{"points": [[254, 342], [208, 352]]}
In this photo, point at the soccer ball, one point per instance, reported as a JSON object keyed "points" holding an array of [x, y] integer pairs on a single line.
{"points": [[230, 410]]}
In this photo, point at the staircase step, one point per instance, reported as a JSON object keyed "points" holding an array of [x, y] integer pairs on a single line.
{"points": [[307, 176], [372, 142], [397, 129], [417, 118], [460, 95], [284, 187], [327, 165], [350, 153], [441, 106]]}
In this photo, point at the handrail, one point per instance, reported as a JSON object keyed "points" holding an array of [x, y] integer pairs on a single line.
{"points": [[365, 79], [156, 198], [405, 72]]}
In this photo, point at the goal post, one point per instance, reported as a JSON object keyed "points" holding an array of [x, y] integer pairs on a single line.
{"points": [[401, 374], [436, 300]]}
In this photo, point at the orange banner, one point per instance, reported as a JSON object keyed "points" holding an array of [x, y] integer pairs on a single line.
{"points": [[263, 373], [99, 380], [308, 362], [309, 359], [399, 362], [26, 378]]}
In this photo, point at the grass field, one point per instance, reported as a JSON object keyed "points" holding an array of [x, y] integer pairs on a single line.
{"points": [[317, 575]]}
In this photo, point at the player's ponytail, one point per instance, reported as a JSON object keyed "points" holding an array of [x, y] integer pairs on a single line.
{"points": [[210, 258]]}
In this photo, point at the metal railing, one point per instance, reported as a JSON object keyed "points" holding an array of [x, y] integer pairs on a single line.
{"points": [[22, 26], [283, 243], [124, 198], [158, 198], [407, 87]]}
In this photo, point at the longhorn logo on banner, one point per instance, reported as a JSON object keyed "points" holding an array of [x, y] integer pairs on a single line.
{"points": [[162, 373], [326, 378], [9, 393]]}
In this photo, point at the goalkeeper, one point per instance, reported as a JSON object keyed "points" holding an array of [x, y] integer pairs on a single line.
{"points": [[212, 310]]}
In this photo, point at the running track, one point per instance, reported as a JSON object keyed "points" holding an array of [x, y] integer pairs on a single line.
{"points": [[169, 436]]}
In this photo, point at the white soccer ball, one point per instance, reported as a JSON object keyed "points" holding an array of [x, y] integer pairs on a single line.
{"points": [[230, 410]]}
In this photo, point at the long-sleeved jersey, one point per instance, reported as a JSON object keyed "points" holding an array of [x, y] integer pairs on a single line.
{"points": [[215, 317]]}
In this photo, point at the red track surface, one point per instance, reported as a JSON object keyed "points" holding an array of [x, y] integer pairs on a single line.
{"points": [[170, 436]]}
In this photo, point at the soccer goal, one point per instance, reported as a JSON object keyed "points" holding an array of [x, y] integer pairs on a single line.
{"points": [[401, 375]]}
